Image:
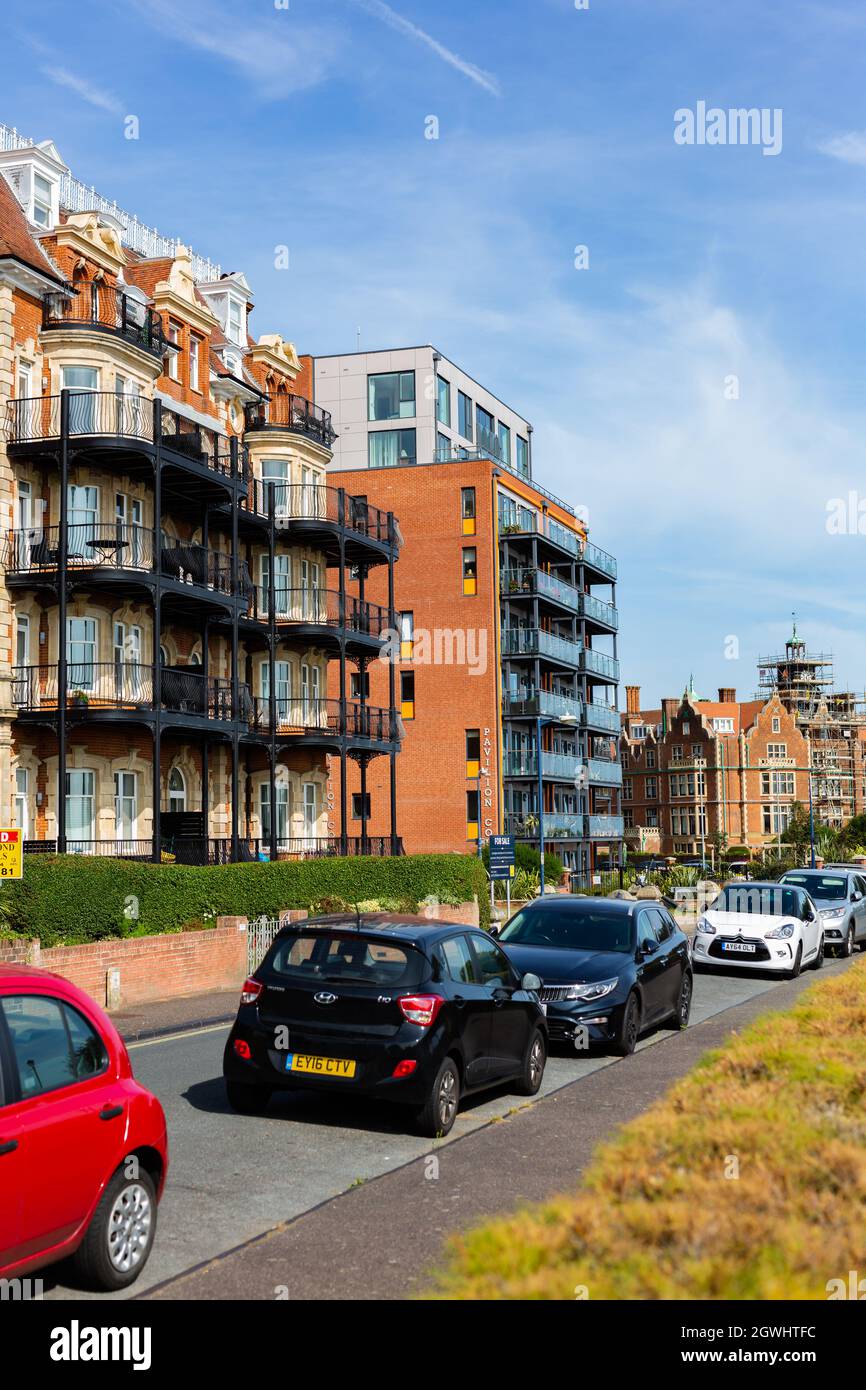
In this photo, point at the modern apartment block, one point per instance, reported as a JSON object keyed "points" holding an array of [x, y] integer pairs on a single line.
{"points": [[699, 773], [508, 616], [180, 577]]}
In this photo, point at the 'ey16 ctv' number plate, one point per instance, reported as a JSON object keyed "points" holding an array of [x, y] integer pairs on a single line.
{"points": [[320, 1066]]}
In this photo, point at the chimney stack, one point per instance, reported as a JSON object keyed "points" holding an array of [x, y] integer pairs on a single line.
{"points": [[727, 695], [632, 699]]}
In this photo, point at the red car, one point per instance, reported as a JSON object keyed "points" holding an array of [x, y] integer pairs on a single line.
{"points": [[83, 1154]]}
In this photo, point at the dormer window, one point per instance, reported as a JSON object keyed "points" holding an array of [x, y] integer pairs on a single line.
{"points": [[235, 322], [42, 211]]}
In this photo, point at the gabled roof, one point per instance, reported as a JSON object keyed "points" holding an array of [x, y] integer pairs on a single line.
{"points": [[17, 242]]}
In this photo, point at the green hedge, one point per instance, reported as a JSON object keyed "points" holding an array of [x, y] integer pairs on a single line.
{"points": [[66, 899]]}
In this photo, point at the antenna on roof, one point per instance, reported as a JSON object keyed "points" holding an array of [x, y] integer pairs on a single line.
{"points": [[358, 923], [358, 337]]}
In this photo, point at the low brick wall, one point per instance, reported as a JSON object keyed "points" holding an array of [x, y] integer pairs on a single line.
{"points": [[122, 973]]}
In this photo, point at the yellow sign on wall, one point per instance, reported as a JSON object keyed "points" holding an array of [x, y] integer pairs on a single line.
{"points": [[11, 854]]}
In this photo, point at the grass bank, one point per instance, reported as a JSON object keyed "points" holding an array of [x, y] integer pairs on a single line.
{"points": [[748, 1180]]}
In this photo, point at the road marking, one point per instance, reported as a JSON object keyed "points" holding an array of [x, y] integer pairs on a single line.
{"points": [[184, 1033]]}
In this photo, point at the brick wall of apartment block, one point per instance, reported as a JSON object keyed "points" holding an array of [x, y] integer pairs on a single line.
{"points": [[431, 768]]}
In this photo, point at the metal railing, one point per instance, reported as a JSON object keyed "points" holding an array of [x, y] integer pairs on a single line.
{"points": [[293, 413], [91, 414], [194, 564], [319, 608], [306, 715], [316, 502], [598, 716], [89, 545], [199, 442], [122, 685], [531, 523], [604, 772], [108, 310], [524, 763]]}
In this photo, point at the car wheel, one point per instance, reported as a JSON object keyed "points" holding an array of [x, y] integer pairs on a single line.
{"points": [[847, 948], [684, 1003], [437, 1115], [629, 1028], [120, 1236], [533, 1066], [818, 962], [247, 1100], [798, 963]]}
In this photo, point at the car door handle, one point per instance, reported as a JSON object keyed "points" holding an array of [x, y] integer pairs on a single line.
{"points": [[110, 1112], [9, 1147]]}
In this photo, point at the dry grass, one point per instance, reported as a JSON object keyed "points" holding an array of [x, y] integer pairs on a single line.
{"points": [[656, 1217]]}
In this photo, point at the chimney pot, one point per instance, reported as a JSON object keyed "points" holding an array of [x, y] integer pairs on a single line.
{"points": [[727, 695], [632, 699]]}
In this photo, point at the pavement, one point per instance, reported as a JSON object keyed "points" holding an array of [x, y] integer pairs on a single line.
{"points": [[298, 1198]]}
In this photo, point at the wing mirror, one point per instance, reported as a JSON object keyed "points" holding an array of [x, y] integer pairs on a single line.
{"points": [[648, 948], [855, 896], [531, 983]]}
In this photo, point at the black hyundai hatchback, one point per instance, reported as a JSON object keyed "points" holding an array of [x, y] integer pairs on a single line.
{"points": [[397, 1007], [611, 968]]}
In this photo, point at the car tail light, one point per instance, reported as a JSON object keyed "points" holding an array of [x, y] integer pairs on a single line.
{"points": [[405, 1068], [421, 1008], [250, 991], [243, 1049]]}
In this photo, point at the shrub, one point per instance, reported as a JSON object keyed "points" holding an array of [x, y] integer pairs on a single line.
{"points": [[66, 899]]}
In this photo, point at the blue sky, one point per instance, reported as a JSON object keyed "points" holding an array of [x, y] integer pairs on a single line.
{"points": [[304, 126]]}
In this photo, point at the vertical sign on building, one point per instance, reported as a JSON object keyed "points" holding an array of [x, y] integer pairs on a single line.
{"points": [[11, 854]]}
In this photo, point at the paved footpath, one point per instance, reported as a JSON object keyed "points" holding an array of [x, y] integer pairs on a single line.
{"points": [[381, 1240]]}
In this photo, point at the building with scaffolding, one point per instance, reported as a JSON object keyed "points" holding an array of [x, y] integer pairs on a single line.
{"points": [[832, 721]]}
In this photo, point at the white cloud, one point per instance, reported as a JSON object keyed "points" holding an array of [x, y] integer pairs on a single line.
{"points": [[404, 26], [96, 96], [849, 147], [277, 55]]}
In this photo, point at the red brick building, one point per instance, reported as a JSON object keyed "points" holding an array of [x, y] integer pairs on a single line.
{"points": [[697, 770]]}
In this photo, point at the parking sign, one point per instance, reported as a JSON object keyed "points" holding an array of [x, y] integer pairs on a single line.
{"points": [[11, 854]]}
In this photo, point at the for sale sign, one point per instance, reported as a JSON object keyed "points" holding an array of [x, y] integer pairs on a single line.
{"points": [[11, 854]]}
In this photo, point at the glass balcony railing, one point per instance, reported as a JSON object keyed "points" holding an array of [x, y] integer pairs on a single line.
{"points": [[596, 610], [528, 641], [529, 704], [600, 560], [557, 825], [605, 827], [596, 716], [604, 772], [520, 763], [599, 664], [526, 583]]}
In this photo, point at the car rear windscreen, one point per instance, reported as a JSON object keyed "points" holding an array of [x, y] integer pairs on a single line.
{"points": [[340, 957], [763, 901], [827, 886], [574, 928]]}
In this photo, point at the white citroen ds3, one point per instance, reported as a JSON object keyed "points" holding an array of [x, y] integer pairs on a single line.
{"points": [[763, 926]]}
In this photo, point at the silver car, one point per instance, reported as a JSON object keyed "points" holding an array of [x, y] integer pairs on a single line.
{"points": [[840, 896]]}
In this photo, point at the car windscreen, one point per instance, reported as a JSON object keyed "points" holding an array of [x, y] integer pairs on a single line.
{"points": [[764, 900], [826, 886], [574, 928], [346, 957]]}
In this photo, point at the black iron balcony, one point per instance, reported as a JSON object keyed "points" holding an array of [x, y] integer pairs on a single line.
{"points": [[89, 546], [187, 849], [194, 564], [200, 444], [319, 608], [105, 309], [308, 717], [92, 414], [318, 502], [293, 413], [94, 687]]}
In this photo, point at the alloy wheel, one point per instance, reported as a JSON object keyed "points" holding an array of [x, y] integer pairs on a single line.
{"points": [[447, 1098], [536, 1062], [129, 1227], [685, 999]]}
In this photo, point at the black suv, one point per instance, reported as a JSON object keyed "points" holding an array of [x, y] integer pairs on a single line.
{"points": [[387, 1005]]}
